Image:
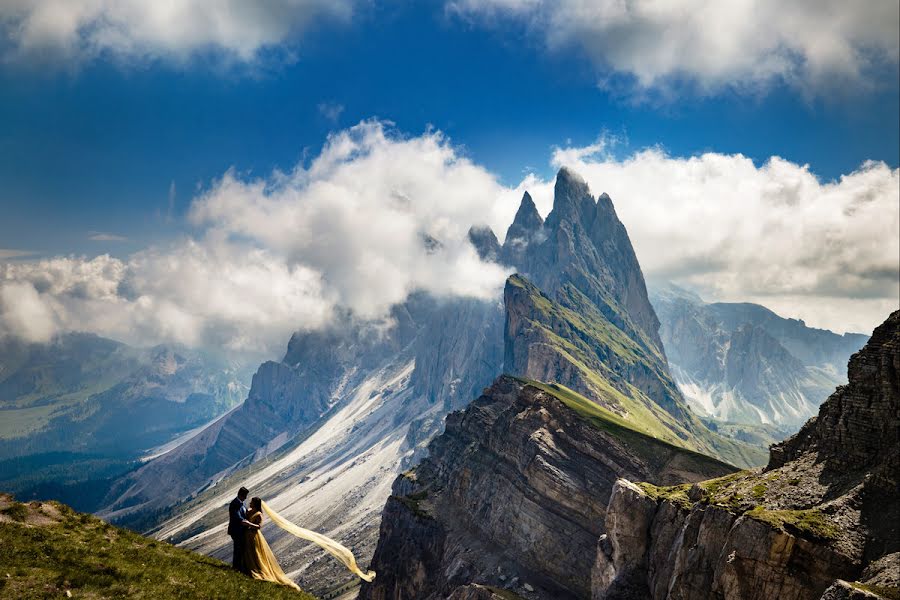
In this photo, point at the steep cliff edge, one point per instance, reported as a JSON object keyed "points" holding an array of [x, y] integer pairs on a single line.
{"points": [[823, 512], [566, 339], [514, 494]]}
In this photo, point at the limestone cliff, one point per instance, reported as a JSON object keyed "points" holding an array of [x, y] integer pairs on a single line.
{"points": [[514, 494], [566, 339], [822, 513]]}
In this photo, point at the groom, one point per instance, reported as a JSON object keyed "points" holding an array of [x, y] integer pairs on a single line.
{"points": [[237, 528]]}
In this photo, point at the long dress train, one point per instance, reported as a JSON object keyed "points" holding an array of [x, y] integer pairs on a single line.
{"points": [[336, 549], [259, 559]]}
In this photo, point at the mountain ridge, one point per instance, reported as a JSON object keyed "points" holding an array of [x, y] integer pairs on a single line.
{"points": [[741, 363]]}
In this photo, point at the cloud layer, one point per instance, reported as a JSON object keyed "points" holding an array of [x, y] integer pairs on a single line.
{"points": [[80, 30], [825, 251], [354, 229], [812, 44], [279, 254]]}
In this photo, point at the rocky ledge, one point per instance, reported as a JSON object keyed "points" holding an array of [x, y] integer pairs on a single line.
{"points": [[820, 521]]}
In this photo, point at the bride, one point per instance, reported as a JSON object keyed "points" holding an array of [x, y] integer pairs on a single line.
{"points": [[261, 562], [258, 557]]}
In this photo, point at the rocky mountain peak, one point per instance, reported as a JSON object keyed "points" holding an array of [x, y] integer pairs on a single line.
{"points": [[857, 425], [571, 198], [584, 244], [527, 220], [485, 242]]}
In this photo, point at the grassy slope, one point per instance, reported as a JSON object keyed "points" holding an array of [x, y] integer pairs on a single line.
{"points": [[641, 441], [581, 335], [49, 548], [743, 493]]}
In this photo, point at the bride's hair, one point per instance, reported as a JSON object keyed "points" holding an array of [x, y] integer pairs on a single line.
{"points": [[256, 503]]}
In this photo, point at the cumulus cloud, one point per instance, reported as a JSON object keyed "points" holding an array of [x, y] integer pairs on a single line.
{"points": [[775, 234], [354, 229], [812, 44], [79, 30], [282, 253]]}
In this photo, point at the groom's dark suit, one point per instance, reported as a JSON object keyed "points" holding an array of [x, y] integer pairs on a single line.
{"points": [[237, 517]]}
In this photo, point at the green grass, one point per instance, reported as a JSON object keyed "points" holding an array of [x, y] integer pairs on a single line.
{"points": [[741, 493], [891, 593], [93, 559], [812, 522], [505, 594], [413, 503], [676, 494], [16, 512], [643, 443], [759, 491], [574, 327]]}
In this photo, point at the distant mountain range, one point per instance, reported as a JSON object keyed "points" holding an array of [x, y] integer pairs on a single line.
{"points": [[81, 409], [741, 363]]}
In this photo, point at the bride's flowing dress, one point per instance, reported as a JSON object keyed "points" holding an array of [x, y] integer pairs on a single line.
{"points": [[340, 552], [259, 559], [262, 564]]}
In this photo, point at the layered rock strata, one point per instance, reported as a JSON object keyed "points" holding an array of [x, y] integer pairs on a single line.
{"points": [[514, 495], [821, 520]]}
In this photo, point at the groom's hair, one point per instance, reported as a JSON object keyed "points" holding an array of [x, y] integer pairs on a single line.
{"points": [[242, 493]]}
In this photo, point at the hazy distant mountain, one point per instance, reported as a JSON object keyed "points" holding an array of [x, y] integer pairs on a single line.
{"points": [[742, 363], [82, 407]]}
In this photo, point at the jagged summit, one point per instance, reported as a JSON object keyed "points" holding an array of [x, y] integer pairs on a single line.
{"points": [[582, 242], [527, 219], [572, 199], [485, 241], [569, 175]]}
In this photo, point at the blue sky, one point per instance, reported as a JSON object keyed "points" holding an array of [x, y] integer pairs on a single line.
{"points": [[140, 146], [97, 146]]}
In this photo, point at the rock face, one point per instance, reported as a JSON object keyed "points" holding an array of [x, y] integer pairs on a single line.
{"points": [[566, 339], [584, 244], [743, 364], [513, 495], [323, 433], [822, 511]]}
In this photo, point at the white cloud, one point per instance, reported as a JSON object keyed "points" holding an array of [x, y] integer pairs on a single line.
{"points": [[7, 253], [828, 252], [100, 236], [80, 30], [331, 110], [813, 44], [347, 230], [278, 254]]}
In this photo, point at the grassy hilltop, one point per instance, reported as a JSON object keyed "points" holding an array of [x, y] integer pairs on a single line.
{"points": [[49, 549]]}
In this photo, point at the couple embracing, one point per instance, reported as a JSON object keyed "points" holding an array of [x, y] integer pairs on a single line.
{"points": [[252, 554]]}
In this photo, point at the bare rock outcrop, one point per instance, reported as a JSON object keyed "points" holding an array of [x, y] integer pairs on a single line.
{"points": [[822, 513], [514, 496]]}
